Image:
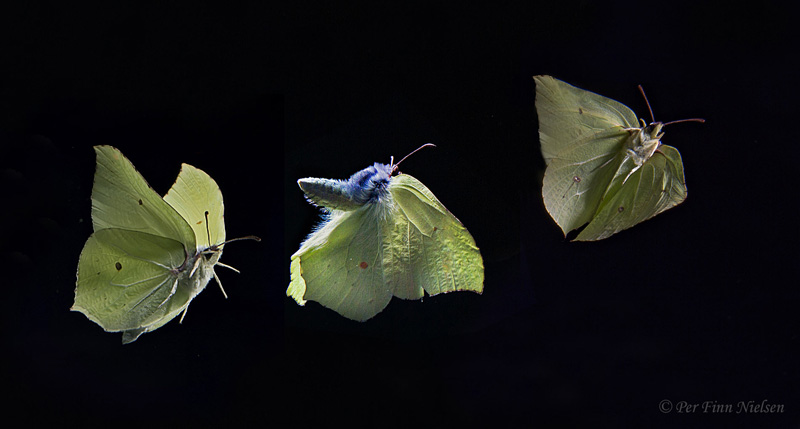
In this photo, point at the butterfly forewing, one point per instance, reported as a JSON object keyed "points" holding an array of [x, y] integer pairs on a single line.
{"points": [[568, 115], [193, 195], [121, 198], [442, 255]]}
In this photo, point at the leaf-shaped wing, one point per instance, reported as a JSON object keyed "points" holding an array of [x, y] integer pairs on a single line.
{"points": [[657, 186], [577, 178], [121, 198], [428, 248], [569, 115], [193, 194], [126, 280], [341, 264]]}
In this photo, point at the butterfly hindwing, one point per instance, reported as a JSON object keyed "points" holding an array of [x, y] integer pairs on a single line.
{"points": [[655, 187], [127, 279], [341, 265], [575, 180]]}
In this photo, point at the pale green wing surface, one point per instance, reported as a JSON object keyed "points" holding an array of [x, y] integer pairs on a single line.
{"points": [[125, 279], [568, 115], [193, 194], [429, 248], [575, 182], [341, 265], [657, 186], [121, 198]]}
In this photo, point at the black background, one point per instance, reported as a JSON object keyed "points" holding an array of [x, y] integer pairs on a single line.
{"points": [[698, 304]]}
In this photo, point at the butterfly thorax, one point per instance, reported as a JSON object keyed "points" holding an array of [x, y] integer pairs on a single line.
{"points": [[644, 141], [367, 186], [199, 268]]}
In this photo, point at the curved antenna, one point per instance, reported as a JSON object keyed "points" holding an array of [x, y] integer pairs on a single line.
{"points": [[701, 120], [217, 246], [647, 102], [247, 237], [394, 166]]}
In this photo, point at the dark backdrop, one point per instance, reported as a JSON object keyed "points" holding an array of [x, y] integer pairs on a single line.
{"points": [[695, 305]]}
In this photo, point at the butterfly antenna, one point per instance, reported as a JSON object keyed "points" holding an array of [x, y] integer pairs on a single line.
{"points": [[647, 102], [208, 232], [701, 120], [394, 166], [248, 237]]}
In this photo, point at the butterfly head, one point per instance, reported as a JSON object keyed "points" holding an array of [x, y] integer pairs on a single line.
{"points": [[653, 131]]}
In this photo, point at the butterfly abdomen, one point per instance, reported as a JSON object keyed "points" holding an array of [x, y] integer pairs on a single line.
{"points": [[366, 186]]}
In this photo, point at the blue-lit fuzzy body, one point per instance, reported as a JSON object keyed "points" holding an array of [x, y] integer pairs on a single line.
{"points": [[367, 186]]}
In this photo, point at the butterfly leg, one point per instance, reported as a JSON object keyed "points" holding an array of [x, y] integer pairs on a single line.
{"points": [[227, 266], [171, 292], [631, 155], [219, 282], [185, 310]]}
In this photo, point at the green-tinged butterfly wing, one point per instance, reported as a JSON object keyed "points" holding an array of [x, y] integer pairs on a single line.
{"points": [[193, 195], [384, 236], [142, 265], [657, 186], [341, 265], [576, 181], [129, 281], [121, 198], [568, 115], [602, 167], [429, 248]]}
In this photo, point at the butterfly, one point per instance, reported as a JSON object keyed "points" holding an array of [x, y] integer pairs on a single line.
{"points": [[148, 256], [603, 168], [384, 234]]}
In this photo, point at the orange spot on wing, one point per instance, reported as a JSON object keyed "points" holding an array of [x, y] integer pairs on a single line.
{"points": [[363, 265]]}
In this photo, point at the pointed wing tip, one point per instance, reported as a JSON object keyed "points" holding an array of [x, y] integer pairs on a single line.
{"points": [[190, 167], [132, 335], [106, 150]]}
